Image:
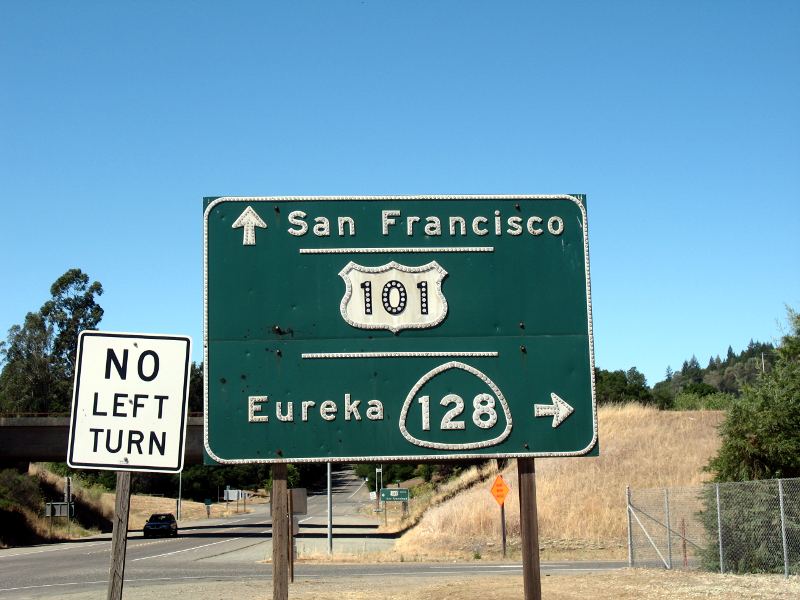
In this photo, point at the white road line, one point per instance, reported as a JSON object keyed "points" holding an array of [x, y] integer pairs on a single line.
{"points": [[73, 547], [469, 568], [582, 569], [518, 567], [134, 580], [363, 483], [50, 585], [184, 550], [69, 547]]}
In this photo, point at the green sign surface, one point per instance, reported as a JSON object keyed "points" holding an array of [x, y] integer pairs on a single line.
{"points": [[397, 328], [394, 495]]}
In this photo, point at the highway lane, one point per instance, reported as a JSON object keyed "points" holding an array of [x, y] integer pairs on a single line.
{"points": [[190, 571], [82, 561], [226, 551], [232, 549], [210, 547]]}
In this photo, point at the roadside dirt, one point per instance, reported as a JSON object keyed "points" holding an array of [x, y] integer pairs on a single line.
{"points": [[628, 584]]}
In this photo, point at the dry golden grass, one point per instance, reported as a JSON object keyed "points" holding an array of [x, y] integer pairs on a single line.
{"points": [[581, 501], [58, 529], [144, 506], [141, 506]]}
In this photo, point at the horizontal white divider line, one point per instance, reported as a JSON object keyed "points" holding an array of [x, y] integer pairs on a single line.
{"points": [[398, 354], [396, 250]]}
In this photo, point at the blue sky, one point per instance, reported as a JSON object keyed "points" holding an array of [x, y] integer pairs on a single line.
{"points": [[679, 120]]}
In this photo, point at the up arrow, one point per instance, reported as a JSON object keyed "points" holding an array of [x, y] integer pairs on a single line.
{"points": [[559, 410], [249, 219]]}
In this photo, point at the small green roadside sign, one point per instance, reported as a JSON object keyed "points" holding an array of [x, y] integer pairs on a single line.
{"points": [[394, 495], [397, 328]]}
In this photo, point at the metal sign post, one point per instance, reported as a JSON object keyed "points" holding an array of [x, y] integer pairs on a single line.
{"points": [[500, 491], [378, 486]]}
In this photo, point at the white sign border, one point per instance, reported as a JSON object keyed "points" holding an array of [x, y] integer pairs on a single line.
{"points": [[390, 458], [75, 390]]}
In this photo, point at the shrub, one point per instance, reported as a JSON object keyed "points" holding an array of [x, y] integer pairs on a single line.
{"points": [[19, 490], [694, 401]]}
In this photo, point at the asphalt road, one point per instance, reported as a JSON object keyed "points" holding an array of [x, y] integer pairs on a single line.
{"points": [[225, 549]]}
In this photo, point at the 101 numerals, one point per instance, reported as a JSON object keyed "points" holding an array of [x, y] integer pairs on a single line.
{"points": [[394, 297]]}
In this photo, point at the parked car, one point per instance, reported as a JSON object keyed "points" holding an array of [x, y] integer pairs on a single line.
{"points": [[161, 524]]}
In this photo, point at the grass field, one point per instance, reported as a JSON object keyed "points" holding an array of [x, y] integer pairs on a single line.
{"points": [[581, 501]]}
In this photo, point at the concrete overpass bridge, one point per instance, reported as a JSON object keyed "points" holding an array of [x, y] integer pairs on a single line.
{"points": [[45, 438]]}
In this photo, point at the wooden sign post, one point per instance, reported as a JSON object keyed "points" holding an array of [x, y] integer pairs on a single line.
{"points": [[119, 536], [280, 533], [290, 526], [529, 526]]}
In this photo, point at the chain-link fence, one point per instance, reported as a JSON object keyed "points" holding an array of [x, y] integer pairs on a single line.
{"points": [[741, 527]]}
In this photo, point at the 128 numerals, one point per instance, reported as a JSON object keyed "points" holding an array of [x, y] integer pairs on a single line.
{"points": [[482, 406]]}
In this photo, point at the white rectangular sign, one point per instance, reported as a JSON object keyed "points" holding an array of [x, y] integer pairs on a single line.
{"points": [[233, 495], [129, 403]]}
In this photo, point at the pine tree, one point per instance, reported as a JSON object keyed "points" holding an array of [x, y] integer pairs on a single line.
{"points": [[761, 434]]}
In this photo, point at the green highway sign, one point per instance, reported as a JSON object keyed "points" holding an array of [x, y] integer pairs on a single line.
{"points": [[394, 495], [397, 328]]}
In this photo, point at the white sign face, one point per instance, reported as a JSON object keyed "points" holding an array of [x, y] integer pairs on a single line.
{"points": [[129, 405]]}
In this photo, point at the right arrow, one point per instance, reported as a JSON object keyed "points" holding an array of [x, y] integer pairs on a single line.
{"points": [[559, 410]]}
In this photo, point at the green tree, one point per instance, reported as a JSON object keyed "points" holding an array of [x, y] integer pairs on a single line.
{"points": [[664, 395], [71, 309], [29, 381], [614, 387], [686, 400], [761, 434], [691, 370], [39, 356], [760, 440], [196, 387]]}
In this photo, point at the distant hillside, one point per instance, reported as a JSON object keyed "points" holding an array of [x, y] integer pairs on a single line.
{"points": [[22, 502], [581, 501], [692, 387], [723, 378]]}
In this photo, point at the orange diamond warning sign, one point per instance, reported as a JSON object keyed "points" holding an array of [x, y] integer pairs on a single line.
{"points": [[500, 490]]}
